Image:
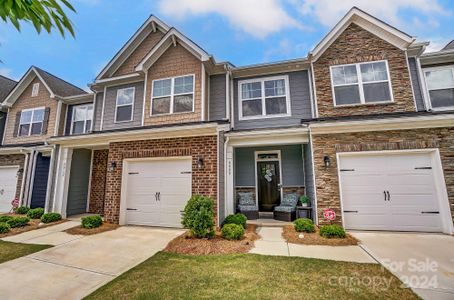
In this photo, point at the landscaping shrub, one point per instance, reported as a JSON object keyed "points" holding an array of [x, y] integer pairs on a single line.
{"points": [[22, 210], [198, 216], [18, 222], [91, 221], [35, 213], [232, 231], [4, 219], [238, 219], [332, 231], [304, 225], [4, 227], [50, 217]]}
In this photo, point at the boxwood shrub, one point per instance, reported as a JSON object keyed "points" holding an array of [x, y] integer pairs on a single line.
{"points": [[18, 222], [232, 231], [91, 222], [35, 213], [50, 217], [4, 227], [304, 225], [4, 219], [238, 219], [22, 210], [198, 216], [332, 231]]}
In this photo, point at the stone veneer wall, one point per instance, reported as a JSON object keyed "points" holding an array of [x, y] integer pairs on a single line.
{"points": [[204, 181], [356, 45], [98, 181], [14, 160], [327, 181]]}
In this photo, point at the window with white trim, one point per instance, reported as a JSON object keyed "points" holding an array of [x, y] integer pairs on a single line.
{"points": [[361, 83], [173, 95], [82, 119], [125, 105], [31, 121], [265, 97], [440, 84], [35, 89]]}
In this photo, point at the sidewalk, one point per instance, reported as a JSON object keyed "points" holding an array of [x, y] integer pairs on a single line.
{"points": [[272, 243]]}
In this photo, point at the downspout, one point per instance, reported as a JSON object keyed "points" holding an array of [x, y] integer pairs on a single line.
{"points": [[313, 176], [50, 180]]}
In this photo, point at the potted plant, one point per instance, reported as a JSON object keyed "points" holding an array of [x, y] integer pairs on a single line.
{"points": [[304, 200]]}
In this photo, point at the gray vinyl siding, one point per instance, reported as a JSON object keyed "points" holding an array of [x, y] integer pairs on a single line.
{"points": [[69, 117], [300, 102], [98, 112], [78, 182], [221, 176], [309, 172], [217, 107], [2, 125], [416, 82], [291, 159], [109, 107]]}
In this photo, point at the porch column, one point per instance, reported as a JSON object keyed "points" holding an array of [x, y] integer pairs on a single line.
{"points": [[62, 181], [229, 189]]}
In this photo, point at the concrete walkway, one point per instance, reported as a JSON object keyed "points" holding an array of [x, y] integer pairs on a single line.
{"points": [[77, 265], [425, 261], [272, 243]]}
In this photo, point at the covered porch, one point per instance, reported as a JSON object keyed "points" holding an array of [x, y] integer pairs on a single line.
{"points": [[267, 172]]}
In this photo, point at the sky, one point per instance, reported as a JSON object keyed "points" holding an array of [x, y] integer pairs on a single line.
{"points": [[243, 32]]}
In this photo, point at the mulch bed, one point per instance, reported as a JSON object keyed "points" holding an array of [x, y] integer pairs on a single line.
{"points": [[186, 244], [32, 225], [292, 236], [79, 230]]}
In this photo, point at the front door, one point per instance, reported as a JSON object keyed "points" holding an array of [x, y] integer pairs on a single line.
{"points": [[268, 185]]}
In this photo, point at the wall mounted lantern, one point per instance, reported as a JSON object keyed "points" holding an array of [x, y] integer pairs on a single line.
{"points": [[200, 163], [327, 161], [20, 172], [112, 166]]}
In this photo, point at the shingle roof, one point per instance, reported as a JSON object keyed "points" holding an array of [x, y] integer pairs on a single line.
{"points": [[449, 46], [58, 86], [6, 85]]}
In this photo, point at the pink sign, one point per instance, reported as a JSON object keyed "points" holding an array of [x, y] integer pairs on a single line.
{"points": [[329, 214], [15, 203]]}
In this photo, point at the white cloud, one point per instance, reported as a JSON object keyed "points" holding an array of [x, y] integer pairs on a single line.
{"points": [[258, 18], [436, 44], [329, 13], [7, 73]]}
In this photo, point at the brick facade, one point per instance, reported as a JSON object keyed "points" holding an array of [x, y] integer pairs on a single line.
{"points": [[327, 181], [14, 160], [204, 181], [176, 61], [356, 45], [98, 181]]}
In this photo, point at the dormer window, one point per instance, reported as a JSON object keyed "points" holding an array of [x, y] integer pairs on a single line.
{"points": [[35, 89], [440, 84], [82, 119], [361, 83]]}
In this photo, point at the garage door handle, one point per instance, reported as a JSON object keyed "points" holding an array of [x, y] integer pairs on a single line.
{"points": [[131, 209], [350, 211], [389, 196], [159, 196], [2, 191], [384, 192], [430, 212]]}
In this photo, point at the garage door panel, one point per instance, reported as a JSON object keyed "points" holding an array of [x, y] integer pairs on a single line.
{"points": [[8, 184], [143, 217], [375, 221]]}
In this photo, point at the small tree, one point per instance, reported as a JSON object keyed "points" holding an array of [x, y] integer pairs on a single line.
{"points": [[198, 216]]}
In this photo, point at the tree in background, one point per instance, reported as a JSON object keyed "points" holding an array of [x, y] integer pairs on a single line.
{"points": [[47, 14]]}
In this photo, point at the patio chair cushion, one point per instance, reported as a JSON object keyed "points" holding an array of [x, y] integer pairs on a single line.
{"points": [[290, 200], [285, 208], [248, 208], [246, 198]]}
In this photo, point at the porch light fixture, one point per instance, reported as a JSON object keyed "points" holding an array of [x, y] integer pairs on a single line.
{"points": [[113, 166], [200, 163], [327, 161]]}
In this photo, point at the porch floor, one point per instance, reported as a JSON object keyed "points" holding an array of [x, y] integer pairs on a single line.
{"points": [[265, 222]]}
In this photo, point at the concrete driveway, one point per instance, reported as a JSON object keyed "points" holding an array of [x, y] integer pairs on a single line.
{"points": [[424, 261], [78, 265]]}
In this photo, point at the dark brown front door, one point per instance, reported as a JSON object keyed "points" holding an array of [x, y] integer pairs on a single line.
{"points": [[268, 185]]}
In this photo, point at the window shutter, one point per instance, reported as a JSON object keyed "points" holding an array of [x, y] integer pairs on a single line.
{"points": [[45, 120], [16, 123]]}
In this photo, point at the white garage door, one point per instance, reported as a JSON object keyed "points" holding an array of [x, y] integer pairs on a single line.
{"points": [[8, 183], [157, 191], [389, 192]]}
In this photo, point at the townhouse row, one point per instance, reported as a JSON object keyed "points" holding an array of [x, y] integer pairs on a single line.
{"points": [[363, 125]]}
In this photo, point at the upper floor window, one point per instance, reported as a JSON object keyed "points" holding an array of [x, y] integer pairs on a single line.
{"points": [[124, 105], [82, 119], [173, 95], [440, 84], [31, 121], [361, 83], [266, 97], [35, 89]]}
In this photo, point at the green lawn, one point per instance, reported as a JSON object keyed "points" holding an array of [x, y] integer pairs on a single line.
{"points": [[9, 251], [247, 276]]}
